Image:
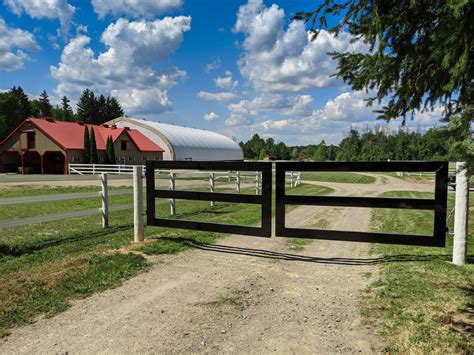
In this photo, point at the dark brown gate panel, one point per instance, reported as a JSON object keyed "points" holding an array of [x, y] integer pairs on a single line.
{"points": [[438, 204], [265, 199]]}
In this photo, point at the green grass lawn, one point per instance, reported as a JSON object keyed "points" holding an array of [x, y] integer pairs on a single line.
{"points": [[422, 302], [44, 266], [340, 176], [20, 191]]}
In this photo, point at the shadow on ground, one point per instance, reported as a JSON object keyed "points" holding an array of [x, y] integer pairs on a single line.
{"points": [[305, 258]]}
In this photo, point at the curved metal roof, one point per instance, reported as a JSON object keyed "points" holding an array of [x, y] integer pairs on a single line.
{"points": [[185, 143]]}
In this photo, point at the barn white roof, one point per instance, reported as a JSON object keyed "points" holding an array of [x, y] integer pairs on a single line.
{"points": [[185, 143]]}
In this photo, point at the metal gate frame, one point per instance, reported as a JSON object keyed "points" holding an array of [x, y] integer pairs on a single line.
{"points": [[438, 204], [265, 199]]}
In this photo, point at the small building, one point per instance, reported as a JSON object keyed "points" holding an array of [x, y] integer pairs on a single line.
{"points": [[47, 146], [184, 143]]}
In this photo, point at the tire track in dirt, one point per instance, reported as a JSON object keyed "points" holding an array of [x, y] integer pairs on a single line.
{"points": [[242, 295]]}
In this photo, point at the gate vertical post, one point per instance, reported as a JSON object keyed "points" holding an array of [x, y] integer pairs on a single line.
{"points": [[237, 181], [291, 178], [172, 187], [211, 186], [461, 215], [105, 200], [280, 183], [150, 192], [267, 198], [138, 232], [441, 195]]}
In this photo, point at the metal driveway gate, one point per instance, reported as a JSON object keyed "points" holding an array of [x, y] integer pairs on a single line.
{"points": [[265, 199], [438, 204]]}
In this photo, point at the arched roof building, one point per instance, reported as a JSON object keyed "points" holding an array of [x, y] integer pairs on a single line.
{"points": [[184, 143]]}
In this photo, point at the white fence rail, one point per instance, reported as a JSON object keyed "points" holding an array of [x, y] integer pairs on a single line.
{"points": [[232, 180], [83, 169]]}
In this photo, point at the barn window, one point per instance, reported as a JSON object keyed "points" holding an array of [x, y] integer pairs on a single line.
{"points": [[30, 136], [76, 159], [124, 145]]}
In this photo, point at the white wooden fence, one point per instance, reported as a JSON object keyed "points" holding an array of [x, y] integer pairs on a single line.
{"points": [[83, 169]]}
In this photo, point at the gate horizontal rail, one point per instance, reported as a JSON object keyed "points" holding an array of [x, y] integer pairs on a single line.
{"points": [[264, 199], [438, 204]]}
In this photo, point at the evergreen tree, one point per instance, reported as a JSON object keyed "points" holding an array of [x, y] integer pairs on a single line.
{"points": [[35, 108], [86, 157], [10, 113], [113, 109], [87, 107], [45, 106], [25, 106], [67, 113], [94, 155], [110, 150], [420, 57], [101, 115]]}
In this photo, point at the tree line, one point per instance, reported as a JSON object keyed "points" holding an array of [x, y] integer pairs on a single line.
{"points": [[16, 106], [370, 145]]}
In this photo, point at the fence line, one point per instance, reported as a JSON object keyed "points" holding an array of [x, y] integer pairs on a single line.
{"points": [[93, 169], [234, 178], [59, 197]]}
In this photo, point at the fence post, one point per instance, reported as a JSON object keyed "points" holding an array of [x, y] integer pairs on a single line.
{"points": [[105, 200], [257, 182], [138, 232], [237, 180], [93, 169], [291, 179], [211, 186], [172, 187], [461, 211]]}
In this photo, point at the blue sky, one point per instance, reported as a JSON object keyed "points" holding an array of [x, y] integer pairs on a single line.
{"points": [[236, 67]]}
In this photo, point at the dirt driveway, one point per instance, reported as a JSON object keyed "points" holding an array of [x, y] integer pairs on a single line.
{"points": [[242, 295]]}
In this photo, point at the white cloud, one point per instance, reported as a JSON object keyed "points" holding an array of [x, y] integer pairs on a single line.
{"points": [[299, 105], [211, 116], [226, 82], [348, 107], [143, 101], [260, 24], [337, 116], [135, 8], [215, 64], [12, 43], [281, 60], [217, 96], [238, 120], [128, 66], [50, 9]]}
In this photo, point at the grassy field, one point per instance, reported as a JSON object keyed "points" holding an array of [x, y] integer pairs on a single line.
{"points": [[422, 303], [340, 177], [44, 266]]}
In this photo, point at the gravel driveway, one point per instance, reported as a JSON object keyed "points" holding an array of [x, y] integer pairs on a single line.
{"points": [[242, 295]]}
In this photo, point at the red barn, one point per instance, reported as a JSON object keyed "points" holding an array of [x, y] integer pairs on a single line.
{"points": [[47, 146]]}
